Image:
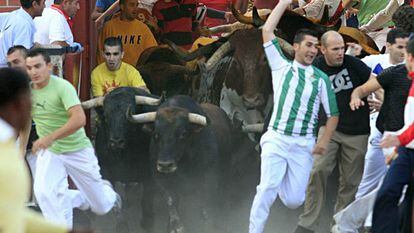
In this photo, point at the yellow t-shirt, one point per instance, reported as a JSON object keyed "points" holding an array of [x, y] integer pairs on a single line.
{"points": [[135, 37], [14, 190], [104, 79]]}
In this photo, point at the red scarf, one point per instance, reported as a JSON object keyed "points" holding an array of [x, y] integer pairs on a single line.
{"points": [[62, 12]]}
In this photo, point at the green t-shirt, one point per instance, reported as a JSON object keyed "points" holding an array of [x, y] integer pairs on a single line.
{"points": [[50, 112], [368, 8]]}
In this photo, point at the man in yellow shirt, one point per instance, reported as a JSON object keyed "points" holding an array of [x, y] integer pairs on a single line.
{"points": [[134, 34], [113, 72], [15, 108]]}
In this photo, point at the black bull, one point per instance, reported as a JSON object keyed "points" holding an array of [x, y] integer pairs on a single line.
{"points": [[190, 150], [121, 146]]}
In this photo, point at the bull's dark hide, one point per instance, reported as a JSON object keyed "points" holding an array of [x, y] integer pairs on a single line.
{"points": [[155, 68], [122, 148], [200, 154]]}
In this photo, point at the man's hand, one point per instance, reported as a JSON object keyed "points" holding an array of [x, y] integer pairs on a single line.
{"points": [[354, 49], [390, 141], [374, 104], [320, 148], [356, 103], [42, 144]]}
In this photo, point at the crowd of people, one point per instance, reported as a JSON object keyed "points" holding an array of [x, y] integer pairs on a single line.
{"points": [[330, 110]]}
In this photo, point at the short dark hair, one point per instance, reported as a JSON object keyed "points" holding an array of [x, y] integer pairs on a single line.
{"points": [[39, 51], [403, 18], [15, 48], [301, 33], [113, 41], [410, 47], [26, 4], [396, 33], [13, 82]]}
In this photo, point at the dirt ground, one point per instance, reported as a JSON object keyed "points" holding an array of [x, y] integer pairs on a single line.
{"points": [[281, 220]]}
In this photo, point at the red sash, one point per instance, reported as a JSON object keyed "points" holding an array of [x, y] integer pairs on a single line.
{"points": [[67, 17]]}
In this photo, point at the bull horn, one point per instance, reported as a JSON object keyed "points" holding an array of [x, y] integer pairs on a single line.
{"points": [[253, 128], [240, 17], [218, 55], [228, 28], [186, 56], [257, 20], [197, 119], [141, 118], [93, 103], [144, 100]]}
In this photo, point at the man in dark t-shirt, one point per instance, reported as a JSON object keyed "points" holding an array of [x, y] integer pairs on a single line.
{"points": [[348, 144]]}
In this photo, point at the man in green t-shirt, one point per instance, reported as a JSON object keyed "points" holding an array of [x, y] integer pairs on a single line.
{"points": [[63, 148]]}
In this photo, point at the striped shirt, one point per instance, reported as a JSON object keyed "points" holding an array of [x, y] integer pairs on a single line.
{"points": [[298, 92]]}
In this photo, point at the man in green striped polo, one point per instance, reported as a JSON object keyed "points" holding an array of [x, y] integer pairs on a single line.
{"points": [[348, 144], [287, 146]]}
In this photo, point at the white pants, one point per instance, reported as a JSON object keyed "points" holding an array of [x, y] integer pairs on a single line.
{"points": [[374, 166], [286, 163], [350, 219], [51, 185]]}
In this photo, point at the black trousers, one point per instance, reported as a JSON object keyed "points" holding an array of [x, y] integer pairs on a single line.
{"points": [[386, 212]]}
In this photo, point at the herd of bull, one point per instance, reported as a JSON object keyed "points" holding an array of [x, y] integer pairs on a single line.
{"points": [[180, 139]]}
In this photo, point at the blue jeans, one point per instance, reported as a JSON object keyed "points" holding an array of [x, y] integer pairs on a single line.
{"points": [[386, 214]]}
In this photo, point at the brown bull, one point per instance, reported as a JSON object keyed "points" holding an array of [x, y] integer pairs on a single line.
{"points": [[163, 71]]}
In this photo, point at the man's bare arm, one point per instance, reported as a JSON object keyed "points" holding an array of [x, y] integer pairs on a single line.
{"points": [[273, 20]]}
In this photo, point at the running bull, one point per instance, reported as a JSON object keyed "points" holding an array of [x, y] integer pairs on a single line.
{"points": [[190, 149]]}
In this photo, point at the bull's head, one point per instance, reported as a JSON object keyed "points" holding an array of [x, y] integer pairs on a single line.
{"points": [[173, 130], [115, 107]]}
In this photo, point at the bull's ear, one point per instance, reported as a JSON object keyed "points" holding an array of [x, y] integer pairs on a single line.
{"points": [[148, 128]]}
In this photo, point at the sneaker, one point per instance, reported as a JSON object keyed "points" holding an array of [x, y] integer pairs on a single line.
{"points": [[300, 229]]}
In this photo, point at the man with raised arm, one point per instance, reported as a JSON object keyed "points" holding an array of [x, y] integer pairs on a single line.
{"points": [[287, 146]]}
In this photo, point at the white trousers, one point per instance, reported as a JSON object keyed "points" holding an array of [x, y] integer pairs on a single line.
{"points": [[51, 185], [374, 166], [286, 163]]}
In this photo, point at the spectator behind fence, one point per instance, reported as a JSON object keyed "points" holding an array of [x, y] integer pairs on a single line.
{"points": [[134, 34], [55, 26], [16, 57], [17, 28], [113, 72], [177, 20]]}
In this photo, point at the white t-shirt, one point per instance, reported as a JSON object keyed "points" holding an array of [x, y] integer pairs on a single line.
{"points": [[377, 63], [52, 26]]}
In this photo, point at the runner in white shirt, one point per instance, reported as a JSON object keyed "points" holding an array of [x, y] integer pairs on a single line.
{"points": [[55, 24], [287, 146], [17, 28]]}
